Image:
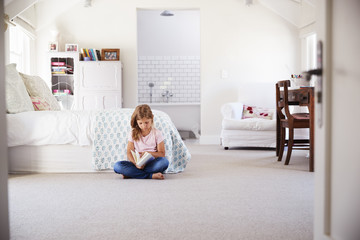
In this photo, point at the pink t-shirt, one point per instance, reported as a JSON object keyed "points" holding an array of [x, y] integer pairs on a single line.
{"points": [[149, 142]]}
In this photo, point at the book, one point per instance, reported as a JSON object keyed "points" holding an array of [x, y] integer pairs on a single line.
{"points": [[140, 161], [93, 54], [98, 54], [87, 52], [58, 63], [83, 53]]}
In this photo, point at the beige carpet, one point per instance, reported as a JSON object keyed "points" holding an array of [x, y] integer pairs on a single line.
{"points": [[233, 194]]}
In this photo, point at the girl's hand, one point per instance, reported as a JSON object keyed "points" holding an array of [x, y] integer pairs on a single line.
{"points": [[141, 168]]}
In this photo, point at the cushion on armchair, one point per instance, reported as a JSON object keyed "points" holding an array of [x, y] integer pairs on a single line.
{"points": [[257, 112], [237, 116], [266, 113], [249, 112]]}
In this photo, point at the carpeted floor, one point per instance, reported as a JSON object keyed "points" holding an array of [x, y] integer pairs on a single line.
{"points": [[233, 194]]}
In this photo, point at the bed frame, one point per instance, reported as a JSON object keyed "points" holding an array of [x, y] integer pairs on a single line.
{"points": [[50, 158]]}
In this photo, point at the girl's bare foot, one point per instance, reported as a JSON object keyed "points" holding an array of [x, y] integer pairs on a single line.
{"points": [[158, 176], [123, 176]]}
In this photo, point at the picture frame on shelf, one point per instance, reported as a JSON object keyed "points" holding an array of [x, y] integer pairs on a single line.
{"points": [[108, 54], [53, 47], [71, 47]]}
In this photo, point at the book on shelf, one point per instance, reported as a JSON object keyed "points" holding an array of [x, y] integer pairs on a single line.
{"points": [[58, 63], [98, 55], [56, 73], [82, 51], [87, 52], [54, 69], [62, 70], [140, 161], [60, 66], [92, 53]]}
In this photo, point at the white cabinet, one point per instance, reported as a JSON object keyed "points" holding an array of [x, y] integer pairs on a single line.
{"points": [[99, 85]]}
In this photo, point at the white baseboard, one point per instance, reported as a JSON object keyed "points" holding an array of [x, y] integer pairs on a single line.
{"points": [[210, 139]]}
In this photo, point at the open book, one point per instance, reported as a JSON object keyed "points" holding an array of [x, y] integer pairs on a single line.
{"points": [[140, 161]]}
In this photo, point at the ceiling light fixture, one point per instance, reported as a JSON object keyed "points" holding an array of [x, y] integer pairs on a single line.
{"points": [[249, 2], [87, 3], [166, 13]]}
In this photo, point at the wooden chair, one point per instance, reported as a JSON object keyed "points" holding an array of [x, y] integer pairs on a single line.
{"points": [[290, 121]]}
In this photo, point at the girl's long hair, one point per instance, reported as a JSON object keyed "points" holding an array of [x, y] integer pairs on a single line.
{"points": [[141, 111]]}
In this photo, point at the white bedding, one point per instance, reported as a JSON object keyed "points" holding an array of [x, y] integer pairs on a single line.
{"points": [[103, 132], [50, 127]]}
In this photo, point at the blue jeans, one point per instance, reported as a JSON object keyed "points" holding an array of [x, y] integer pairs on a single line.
{"points": [[128, 169]]}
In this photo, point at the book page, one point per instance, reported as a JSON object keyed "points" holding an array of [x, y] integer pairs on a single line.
{"points": [[135, 155], [145, 158]]}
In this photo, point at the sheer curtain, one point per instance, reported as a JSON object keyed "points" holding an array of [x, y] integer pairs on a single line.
{"points": [[310, 54], [19, 45]]}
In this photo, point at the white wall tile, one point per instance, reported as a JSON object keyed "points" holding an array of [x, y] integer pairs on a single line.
{"points": [[179, 74]]}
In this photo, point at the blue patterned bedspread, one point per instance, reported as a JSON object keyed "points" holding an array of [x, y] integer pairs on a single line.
{"points": [[111, 129]]}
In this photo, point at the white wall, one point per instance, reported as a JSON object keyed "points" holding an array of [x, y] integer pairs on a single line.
{"points": [[178, 35], [250, 43]]}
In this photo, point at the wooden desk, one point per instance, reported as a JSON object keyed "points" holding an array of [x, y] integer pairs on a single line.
{"points": [[301, 97]]}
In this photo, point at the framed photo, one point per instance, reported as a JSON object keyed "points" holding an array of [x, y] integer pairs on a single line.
{"points": [[110, 54], [53, 47], [70, 47]]}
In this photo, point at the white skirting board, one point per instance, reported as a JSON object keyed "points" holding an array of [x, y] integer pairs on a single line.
{"points": [[50, 158], [210, 139]]}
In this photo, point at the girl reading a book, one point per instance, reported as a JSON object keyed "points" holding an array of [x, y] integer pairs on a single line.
{"points": [[144, 138]]}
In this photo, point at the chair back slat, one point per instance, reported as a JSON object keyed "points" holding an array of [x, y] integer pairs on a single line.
{"points": [[282, 100]]}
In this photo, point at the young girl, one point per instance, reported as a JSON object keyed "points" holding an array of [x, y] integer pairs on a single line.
{"points": [[144, 138]]}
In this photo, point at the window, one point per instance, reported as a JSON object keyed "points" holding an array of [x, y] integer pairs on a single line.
{"points": [[310, 52], [19, 49], [308, 49]]}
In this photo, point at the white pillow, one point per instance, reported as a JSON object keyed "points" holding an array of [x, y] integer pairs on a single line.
{"points": [[37, 87], [17, 98]]}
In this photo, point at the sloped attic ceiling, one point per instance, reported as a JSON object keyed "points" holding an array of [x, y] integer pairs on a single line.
{"points": [[14, 8], [21, 13], [298, 12], [24, 12]]}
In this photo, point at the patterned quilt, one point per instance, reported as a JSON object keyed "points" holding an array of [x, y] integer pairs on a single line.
{"points": [[111, 129]]}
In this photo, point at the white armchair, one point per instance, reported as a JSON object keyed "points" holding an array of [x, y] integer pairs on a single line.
{"points": [[249, 132]]}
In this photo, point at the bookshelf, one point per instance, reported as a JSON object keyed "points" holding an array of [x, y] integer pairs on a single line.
{"points": [[63, 75], [85, 85]]}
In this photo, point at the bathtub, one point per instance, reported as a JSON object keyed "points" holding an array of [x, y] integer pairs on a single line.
{"points": [[186, 116]]}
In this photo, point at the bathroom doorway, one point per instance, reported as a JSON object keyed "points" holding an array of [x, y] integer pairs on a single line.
{"points": [[168, 44]]}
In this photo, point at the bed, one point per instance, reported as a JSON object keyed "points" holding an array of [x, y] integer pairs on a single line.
{"points": [[42, 138], [81, 141]]}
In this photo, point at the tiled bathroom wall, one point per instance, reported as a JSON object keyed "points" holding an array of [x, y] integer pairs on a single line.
{"points": [[176, 79]]}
